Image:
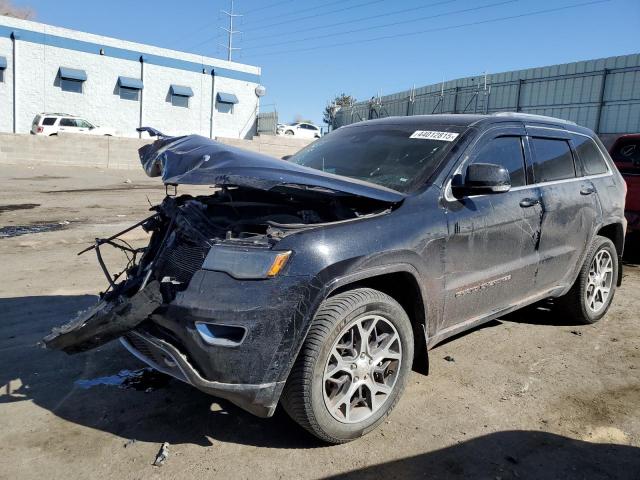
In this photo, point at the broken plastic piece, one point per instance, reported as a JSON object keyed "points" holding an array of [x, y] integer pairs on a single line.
{"points": [[105, 321], [162, 456]]}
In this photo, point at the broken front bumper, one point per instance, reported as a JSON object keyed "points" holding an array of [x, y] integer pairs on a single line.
{"points": [[259, 399], [251, 371], [105, 321]]}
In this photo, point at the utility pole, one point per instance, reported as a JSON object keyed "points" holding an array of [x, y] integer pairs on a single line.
{"points": [[230, 32]]}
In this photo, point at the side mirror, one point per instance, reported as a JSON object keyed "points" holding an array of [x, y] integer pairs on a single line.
{"points": [[482, 178], [287, 157]]}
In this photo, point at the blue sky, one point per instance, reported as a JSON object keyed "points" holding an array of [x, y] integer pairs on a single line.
{"points": [[310, 51]]}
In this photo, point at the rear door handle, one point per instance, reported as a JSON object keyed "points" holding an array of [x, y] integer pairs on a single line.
{"points": [[529, 202], [587, 190]]}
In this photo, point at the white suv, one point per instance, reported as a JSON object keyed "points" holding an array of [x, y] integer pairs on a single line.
{"points": [[300, 129], [48, 124]]}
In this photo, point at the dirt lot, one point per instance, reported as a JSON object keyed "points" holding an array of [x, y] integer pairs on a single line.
{"points": [[528, 396]]}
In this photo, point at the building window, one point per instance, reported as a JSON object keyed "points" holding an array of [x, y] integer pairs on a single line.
{"points": [[71, 79], [180, 95], [74, 86], [225, 108], [226, 101], [127, 93], [129, 88], [3, 66], [179, 101]]}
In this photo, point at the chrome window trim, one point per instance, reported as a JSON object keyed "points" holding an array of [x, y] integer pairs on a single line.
{"points": [[448, 194], [605, 155]]}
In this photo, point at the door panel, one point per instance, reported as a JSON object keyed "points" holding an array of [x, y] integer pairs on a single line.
{"points": [[570, 212], [568, 220], [491, 252]]}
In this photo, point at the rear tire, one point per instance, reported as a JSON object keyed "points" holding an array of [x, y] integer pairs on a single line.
{"points": [[342, 387], [592, 293]]}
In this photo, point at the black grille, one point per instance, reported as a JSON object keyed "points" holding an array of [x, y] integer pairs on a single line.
{"points": [[181, 260]]}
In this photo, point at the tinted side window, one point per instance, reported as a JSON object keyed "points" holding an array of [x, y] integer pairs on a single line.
{"points": [[590, 156], [67, 122], [553, 160], [507, 152], [48, 121]]}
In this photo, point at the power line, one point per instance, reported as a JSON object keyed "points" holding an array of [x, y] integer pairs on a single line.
{"points": [[298, 19], [195, 31], [361, 19], [330, 12], [438, 29], [264, 7], [392, 24], [295, 12]]}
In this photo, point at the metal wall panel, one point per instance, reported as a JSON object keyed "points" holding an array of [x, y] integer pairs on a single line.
{"points": [[601, 94]]}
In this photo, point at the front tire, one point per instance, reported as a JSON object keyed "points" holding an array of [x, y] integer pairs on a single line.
{"points": [[353, 366], [592, 293]]}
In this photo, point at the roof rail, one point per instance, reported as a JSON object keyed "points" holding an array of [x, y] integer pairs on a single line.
{"points": [[532, 117], [57, 113]]}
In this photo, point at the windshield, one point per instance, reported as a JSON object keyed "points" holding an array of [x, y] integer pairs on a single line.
{"points": [[394, 156]]}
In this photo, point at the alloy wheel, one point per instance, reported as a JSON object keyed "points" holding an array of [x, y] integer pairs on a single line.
{"points": [[362, 369], [599, 281]]}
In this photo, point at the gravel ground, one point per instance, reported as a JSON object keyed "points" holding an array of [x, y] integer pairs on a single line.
{"points": [[531, 395]]}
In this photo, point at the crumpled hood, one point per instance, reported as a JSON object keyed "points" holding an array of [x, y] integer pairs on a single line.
{"points": [[197, 160]]}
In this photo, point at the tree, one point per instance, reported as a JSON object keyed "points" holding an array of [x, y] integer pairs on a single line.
{"points": [[8, 9], [340, 101]]}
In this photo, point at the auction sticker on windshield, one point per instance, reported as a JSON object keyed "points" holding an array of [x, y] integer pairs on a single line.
{"points": [[433, 135]]}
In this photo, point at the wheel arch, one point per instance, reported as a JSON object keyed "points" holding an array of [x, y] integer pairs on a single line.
{"points": [[401, 283], [615, 233]]}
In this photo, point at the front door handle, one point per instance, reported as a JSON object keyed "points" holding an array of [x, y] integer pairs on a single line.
{"points": [[587, 190], [529, 202]]}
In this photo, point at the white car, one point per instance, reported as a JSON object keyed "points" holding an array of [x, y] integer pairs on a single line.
{"points": [[48, 124], [300, 129]]}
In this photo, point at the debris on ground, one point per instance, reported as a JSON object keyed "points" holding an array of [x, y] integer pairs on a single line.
{"points": [[144, 379], [17, 230], [576, 332], [128, 180], [129, 442], [162, 456], [449, 358]]}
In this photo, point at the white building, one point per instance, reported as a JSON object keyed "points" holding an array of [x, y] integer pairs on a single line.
{"points": [[120, 84]]}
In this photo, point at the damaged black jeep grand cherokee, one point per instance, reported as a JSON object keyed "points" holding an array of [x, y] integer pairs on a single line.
{"points": [[319, 282]]}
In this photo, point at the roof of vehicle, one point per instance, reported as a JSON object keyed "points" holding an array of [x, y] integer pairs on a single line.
{"points": [[468, 120], [58, 114]]}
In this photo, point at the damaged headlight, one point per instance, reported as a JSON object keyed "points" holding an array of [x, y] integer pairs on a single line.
{"points": [[245, 263]]}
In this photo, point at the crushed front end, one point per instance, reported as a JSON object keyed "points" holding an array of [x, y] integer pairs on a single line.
{"points": [[210, 300], [203, 303]]}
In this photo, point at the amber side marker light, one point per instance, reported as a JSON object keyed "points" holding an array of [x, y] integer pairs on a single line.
{"points": [[278, 264]]}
